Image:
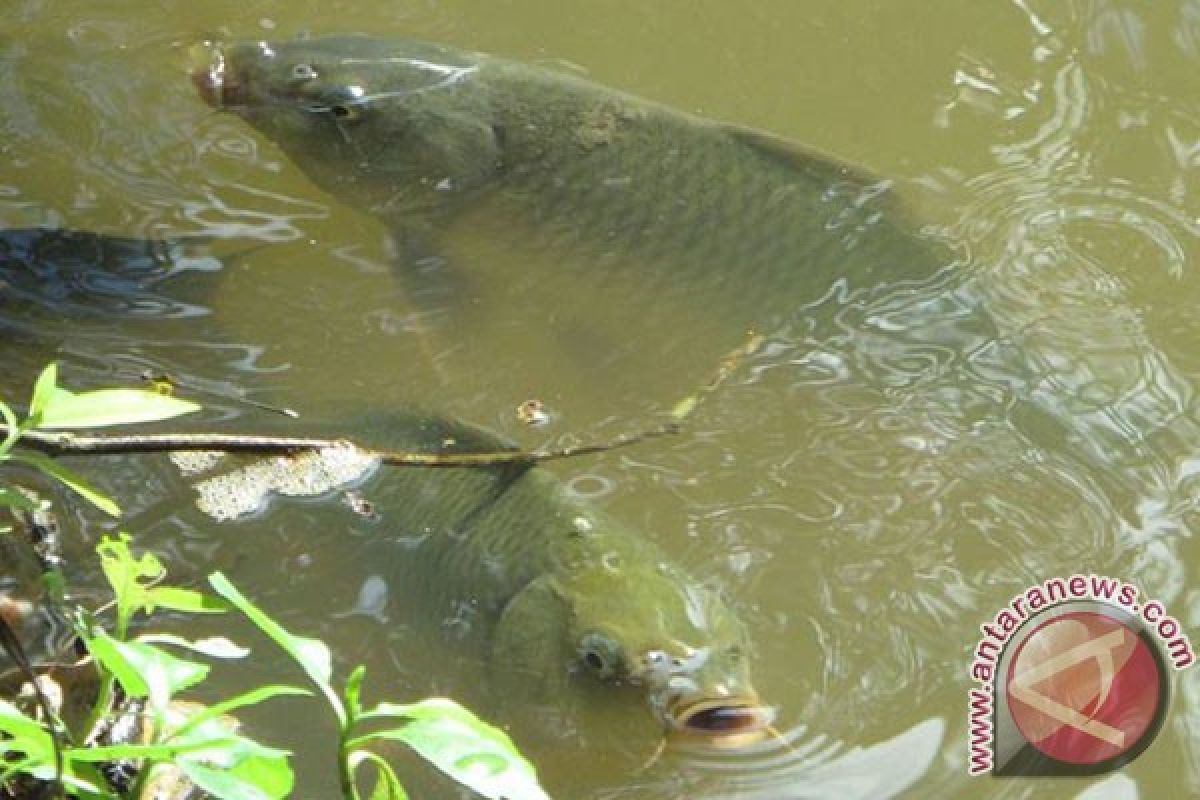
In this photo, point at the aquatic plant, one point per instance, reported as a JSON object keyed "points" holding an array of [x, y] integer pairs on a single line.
{"points": [[137, 735]]}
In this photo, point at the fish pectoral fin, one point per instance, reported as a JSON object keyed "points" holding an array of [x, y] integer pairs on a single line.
{"points": [[432, 284], [530, 651]]}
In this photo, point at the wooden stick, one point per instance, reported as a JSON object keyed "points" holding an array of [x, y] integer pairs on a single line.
{"points": [[67, 443]]}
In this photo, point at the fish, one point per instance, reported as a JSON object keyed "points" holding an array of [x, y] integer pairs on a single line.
{"points": [[562, 595], [626, 206], [84, 273]]}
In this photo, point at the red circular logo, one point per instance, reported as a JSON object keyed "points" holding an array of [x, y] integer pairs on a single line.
{"points": [[1084, 688]]}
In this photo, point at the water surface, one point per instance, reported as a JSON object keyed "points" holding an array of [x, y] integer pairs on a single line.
{"points": [[868, 491]]}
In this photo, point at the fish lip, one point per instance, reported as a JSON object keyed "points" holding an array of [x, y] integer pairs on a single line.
{"points": [[723, 721]]}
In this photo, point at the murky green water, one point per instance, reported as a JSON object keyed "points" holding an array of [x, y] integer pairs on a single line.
{"points": [[869, 492]]}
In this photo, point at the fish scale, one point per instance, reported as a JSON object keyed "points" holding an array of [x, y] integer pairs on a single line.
{"points": [[701, 197], [606, 209]]}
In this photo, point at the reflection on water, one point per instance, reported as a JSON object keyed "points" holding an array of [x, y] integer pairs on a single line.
{"points": [[797, 766], [867, 489], [83, 274]]}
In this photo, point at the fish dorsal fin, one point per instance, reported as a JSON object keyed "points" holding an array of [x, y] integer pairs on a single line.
{"points": [[420, 430], [802, 158]]}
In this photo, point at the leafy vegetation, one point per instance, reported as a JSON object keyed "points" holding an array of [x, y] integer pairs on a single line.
{"points": [[144, 675]]}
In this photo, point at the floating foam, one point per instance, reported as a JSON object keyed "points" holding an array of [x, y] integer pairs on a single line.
{"points": [[309, 473], [195, 462]]}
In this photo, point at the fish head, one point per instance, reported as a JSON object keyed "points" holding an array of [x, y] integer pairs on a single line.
{"points": [[376, 122], [653, 627]]}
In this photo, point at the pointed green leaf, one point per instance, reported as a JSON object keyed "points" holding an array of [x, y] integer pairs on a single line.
{"points": [[184, 600], [17, 727], [70, 479], [215, 646], [144, 670], [477, 755], [255, 777], [311, 654], [103, 407], [45, 386]]}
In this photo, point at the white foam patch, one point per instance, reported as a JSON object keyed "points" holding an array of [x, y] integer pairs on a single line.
{"points": [[307, 474], [194, 462]]}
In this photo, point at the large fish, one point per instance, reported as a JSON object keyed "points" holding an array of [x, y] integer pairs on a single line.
{"points": [[632, 208], [557, 590]]}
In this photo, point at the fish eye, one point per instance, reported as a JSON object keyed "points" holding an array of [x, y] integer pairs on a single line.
{"points": [[600, 655], [347, 113], [303, 72]]}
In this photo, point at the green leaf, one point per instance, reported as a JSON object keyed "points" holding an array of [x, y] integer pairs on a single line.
{"points": [[387, 785], [13, 429], [241, 768], [215, 646], [353, 691], [144, 670], [45, 386], [210, 725], [184, 600], [11, 498], [23, 734], [130, 577], [252, 778], [454, 740], [113, 661], [311, 654], [253, 697], [103, 407], [207, 748], [70, 479], [14, 766], [87, 788]]}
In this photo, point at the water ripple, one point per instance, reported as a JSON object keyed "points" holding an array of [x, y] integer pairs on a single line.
{"points": [[799, 765]]}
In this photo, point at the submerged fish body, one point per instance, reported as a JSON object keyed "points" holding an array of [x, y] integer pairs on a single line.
{"points": [[610, 191], [81, 272], [421, 135], [559, 593], [565, 591]]}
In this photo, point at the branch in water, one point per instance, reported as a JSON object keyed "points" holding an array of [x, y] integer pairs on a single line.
{"points": [[57, 444], [66, 443]]}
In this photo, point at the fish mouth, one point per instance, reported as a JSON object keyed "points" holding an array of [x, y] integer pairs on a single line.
{"points": [[211, 76], [723, 722]]}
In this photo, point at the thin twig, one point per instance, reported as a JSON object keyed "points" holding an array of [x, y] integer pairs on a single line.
{"points": [[68, 443]]}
